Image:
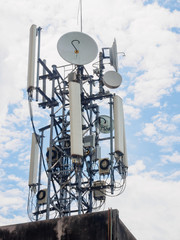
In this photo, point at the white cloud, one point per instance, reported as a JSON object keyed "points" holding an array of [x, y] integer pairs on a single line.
{"points": [[176, 118], [133, 112], [174, 158], [167, 141], [149, 130], [13, 194], [163, 122], [174, 175], [13, 140], [153, 52], [12, 199], [137, 167], [178, 88], [2, 173], [20, 182], [14, 178], [163, 131]]}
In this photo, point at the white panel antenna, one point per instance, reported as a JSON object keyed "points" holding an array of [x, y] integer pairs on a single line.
{"points": [[77, 48], [31, 58], [114, 56], [75, 119], [112, 79], [33, 161], [119, 125]]}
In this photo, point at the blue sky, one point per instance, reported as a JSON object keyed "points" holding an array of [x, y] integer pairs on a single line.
{"points": [[148, 32]]}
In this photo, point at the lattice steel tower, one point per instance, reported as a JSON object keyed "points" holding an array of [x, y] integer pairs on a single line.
{"points": [[68, 150]]}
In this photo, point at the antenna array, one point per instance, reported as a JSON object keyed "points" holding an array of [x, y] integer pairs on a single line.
{"points": [[71, 159]]}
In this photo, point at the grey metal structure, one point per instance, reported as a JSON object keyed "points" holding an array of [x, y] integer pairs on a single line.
{"points": [[75, 184]]}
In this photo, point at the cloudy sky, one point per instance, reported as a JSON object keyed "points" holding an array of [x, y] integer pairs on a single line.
{"points": [[148, 33]]}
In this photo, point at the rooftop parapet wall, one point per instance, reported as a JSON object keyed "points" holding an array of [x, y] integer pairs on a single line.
{"points": [[104, 225]]}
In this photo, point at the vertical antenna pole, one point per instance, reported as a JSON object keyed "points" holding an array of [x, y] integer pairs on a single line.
{"points": [[91, 176], [81, 13], [50, 151], [38, 56], [44, 81], [101, 66], [79, 175]]}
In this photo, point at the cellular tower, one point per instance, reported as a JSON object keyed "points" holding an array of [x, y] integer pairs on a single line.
{"points": [[79, 157]]}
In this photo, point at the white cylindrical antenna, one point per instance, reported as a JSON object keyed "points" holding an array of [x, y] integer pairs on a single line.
{"points": [[75, 118], [31, 58], [33, 161], [119, 129], [118, 125], [81, 13]]}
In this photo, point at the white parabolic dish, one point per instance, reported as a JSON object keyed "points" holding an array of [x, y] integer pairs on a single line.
{"points": [[112, 79], [114, 56], [104, 124], [77, 48]]}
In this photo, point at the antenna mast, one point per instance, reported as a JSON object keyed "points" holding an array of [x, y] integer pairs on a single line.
{"points": [[80, 9], [81, 13]]}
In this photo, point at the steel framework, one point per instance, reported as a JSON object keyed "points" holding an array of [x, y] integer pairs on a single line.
{"points": [[75, 184]]}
